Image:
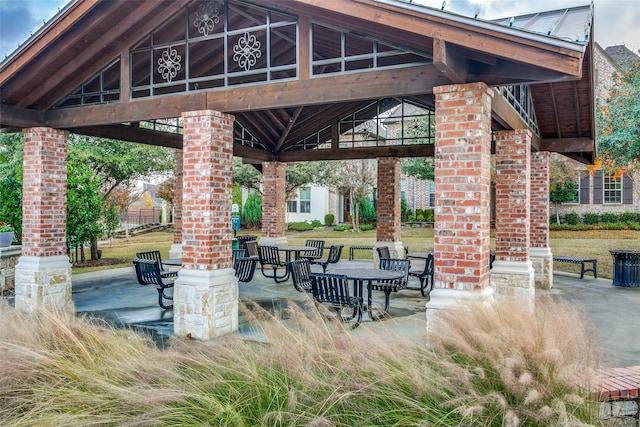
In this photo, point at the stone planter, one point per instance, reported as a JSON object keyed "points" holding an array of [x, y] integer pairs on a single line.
{"points": [[6, 237]]}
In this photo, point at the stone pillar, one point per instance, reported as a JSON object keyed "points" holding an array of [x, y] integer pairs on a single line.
{"points": [[540, 251], [43, 272], [206, 291], [388, 228], [512, 273], [176, 247], [462, 187], [274, 204]]}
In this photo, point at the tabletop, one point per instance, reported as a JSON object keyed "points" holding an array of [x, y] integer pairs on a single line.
{"points": [[173, 261], [367, 273], [420, 255]]}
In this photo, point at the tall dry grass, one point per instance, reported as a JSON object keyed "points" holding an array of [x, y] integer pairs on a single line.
{"points": [[497, 367]]}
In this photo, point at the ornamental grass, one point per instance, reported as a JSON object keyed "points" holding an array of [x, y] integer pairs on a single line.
{"points": [[494, 366]]}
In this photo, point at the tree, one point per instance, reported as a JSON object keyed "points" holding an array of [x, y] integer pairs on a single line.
{"points": [[165, 190], [11, 181], [84, 207], [253, 209], [419, 167], [619, 122], [246, 176], [355, 178], [562, 184]]}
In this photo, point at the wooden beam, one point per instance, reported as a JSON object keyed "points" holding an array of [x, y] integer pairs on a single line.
{"points": [[290, 123], [252, 155], [20, 117], [504, 113], [418, 150], [43, 40], [325, 90], [568, 145], [554, 105], [114, 39], [132, 134], [506, 44], [448, 59]]}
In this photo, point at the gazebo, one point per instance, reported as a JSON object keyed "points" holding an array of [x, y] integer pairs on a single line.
{"points": [[276, 82]]}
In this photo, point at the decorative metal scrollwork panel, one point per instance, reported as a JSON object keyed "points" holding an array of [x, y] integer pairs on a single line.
{"points": [[206, 17], [247, 51], [169, 64]]}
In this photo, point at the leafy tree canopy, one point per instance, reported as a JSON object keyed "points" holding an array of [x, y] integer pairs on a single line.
{"points": [[619, 122], [419, 167]]}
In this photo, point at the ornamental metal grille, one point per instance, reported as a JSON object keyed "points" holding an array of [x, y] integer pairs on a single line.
{"points": [[215, 44], [382, 123], [337, 50], [520, 99], [101, 88]]}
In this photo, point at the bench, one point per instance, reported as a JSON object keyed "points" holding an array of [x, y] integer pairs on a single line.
{"points": [[618, 385], [354, 248], [582, 262]]}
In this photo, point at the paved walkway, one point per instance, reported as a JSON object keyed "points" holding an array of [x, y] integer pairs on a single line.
{"points": [[116, 296]]}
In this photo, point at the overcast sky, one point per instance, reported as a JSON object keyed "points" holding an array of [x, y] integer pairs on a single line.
{"points": [[616, 21]]}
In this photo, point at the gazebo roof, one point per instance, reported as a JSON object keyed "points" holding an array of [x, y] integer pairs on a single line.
{"points": [[114, 68]]}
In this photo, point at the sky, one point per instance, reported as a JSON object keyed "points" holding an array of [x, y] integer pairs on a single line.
{"points": [[616, 21]]}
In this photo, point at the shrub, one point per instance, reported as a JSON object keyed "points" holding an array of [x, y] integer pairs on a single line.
{"points": [[343, 227], [590, 218], [316, 223], [367, 227], [253, 209], [367, 211], [630, 217], [572, 218], [403, 209], [409, 214], [419, 217], [419, 212], [328, 220], [609, 217], [410, 218], [429, 215], [299, 226]]}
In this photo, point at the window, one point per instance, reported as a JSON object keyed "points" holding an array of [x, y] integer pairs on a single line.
{"points": [[612, 189], [432, 193], [576, 195], [292, 206], [305, 200]]}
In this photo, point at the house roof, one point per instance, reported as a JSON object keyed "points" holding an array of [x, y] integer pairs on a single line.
{"points": [[97, 68], [621, 56]]}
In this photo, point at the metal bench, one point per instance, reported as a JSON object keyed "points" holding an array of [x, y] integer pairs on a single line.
{"points": [[582, 262], [148, 273], [354, 248], [333, 289], [245, 268]]}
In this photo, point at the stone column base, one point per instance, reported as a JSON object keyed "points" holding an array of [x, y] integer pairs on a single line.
{"points": [[205, 303], [513, 280], [43, 282], [542, 260], [447, 300], [396, 250], [175, 251], [273, 241]]}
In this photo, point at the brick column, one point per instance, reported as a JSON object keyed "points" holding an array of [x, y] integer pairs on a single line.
{"points": [[43, 272], [540, 251], [176, 248], [512, 273], [206, 291], [274, 204], [388, 228], [462, 195]]}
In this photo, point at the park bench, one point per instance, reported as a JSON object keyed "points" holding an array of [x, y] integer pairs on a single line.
{"points": [[148, 273], [618, 385], [354, 248], [582, 262], [335, 251]]}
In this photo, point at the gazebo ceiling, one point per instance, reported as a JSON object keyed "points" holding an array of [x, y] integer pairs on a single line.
{"points": [[288, 69]]}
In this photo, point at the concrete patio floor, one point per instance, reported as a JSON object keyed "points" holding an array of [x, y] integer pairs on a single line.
{"points": [[116, 296]]}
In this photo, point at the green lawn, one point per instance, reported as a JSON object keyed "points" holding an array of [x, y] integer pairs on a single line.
{"points": [[585, 244]]}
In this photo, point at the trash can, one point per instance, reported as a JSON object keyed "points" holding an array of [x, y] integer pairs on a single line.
{"points": [[626, 268]]}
